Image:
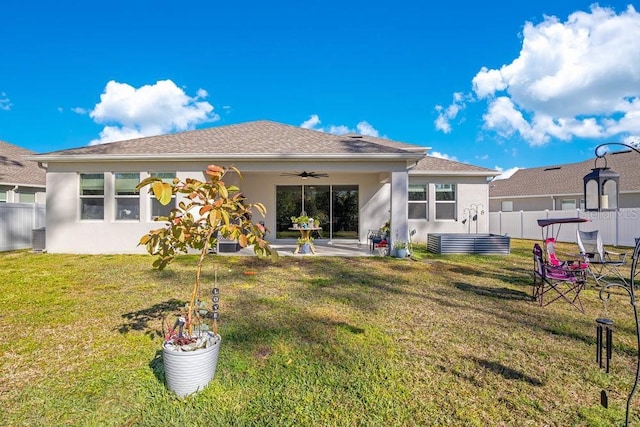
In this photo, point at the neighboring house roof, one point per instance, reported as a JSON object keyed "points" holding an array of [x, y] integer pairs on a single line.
{"points": [[16, 170], [252, 140], [566, 179], [437, 166]]}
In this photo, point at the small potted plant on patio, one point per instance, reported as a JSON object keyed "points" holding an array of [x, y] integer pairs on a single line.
{"points": [[305, 245], [210, 210], [400, 248], [294, 222]]}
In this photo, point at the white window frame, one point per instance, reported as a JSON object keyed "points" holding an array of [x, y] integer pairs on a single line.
{"points": [[83, 197], [448, 187], [128, 194], [568, 202], [424, 202]]}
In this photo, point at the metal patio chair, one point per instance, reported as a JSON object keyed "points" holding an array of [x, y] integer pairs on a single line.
{"points": [[562, 282], [603, 264]]}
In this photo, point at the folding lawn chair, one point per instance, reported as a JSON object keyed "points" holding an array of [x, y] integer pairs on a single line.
{"points": [[377, 241], [557, 282], [602, 263]]}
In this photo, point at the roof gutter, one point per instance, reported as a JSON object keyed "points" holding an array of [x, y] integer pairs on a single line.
{"points": [[453, 173], [42, 159]]}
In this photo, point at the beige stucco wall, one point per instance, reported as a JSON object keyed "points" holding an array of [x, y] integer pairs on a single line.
{"points": [[66, 233], [472, 197]]}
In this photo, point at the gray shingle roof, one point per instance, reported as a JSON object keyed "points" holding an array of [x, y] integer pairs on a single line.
{"points": [[14, 169], [252, 138], [566, 179], [431, 164]]}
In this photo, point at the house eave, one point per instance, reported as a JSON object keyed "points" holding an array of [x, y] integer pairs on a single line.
{"points": [[22, 184], [70, 158], [452, 173]]}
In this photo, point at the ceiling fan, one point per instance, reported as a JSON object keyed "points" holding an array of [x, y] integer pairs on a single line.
{"points": [[305, 174]]}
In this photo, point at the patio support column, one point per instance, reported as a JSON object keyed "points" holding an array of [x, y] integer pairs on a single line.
{"points": [[399, 206]]}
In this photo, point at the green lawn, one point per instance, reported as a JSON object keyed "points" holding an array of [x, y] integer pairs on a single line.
{"points": [[308, 341]]}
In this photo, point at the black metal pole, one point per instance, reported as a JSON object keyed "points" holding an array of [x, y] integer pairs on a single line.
{"points": [[599, 345]]}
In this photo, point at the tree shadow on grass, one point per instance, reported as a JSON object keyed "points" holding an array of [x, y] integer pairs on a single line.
{"points": [[500, 293], [506, 372], [139, 320]]}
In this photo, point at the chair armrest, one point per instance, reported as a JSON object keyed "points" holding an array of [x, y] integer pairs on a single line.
{"points": [[622, 256]]}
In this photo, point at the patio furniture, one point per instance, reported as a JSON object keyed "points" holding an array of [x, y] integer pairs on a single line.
{"points": [[305, 237], [602, 263], [377, 240], [562, 282]]}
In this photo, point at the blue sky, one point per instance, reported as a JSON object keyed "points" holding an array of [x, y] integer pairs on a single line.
{"points": [[495, 84]]}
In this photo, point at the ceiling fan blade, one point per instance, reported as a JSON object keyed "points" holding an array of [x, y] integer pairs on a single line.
{"points": [[305, 174]]}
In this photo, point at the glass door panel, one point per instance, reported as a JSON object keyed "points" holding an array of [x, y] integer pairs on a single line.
{"points": [[345, 212], [336, 208], [288, 204], [317, 204]]}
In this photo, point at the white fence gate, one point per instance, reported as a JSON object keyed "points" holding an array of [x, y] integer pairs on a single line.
{"points": [[617, 228], [17, 222]]}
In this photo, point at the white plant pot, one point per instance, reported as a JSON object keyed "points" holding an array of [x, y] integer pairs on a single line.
{"points": [[187, 372]]}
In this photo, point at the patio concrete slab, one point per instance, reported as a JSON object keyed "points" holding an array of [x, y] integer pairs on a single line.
{"points": [[340, 249]]}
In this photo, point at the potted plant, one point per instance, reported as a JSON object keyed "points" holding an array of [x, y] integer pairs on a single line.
{"points": [[294, 222], [400, 248], [303, 220], [305, 245], [210, 210]]}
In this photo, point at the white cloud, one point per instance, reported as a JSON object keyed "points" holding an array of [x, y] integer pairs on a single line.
{"points": [[506, 173], [442, 156], [366, 129], [446, 115], [79, 110], [129, 112], [337, 130], [311, 122], [5, 102], [362, 128], [572, 79]]}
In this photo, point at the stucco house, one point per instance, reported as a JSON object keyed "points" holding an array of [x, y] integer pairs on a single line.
{"points": [[561, 187], [360, 182], [21, 181]]}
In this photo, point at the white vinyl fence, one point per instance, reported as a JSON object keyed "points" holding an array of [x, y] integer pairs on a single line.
{"points": [[17, 222], [617, 228]]}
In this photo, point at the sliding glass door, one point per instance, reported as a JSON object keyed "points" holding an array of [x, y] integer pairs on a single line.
{"points": [[334, 207]]}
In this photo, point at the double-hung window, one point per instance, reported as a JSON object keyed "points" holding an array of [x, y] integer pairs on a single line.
{"points": [[157, 208], [445, 201], [91, 196], [417, 201], [127, 197]]}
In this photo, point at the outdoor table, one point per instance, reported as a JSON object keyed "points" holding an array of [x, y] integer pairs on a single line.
{"points": [[305, 234]]}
